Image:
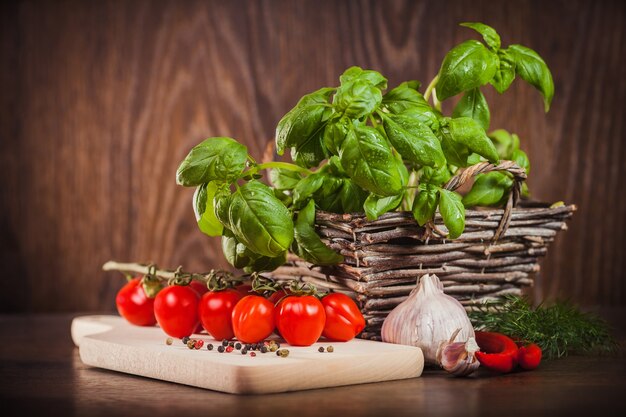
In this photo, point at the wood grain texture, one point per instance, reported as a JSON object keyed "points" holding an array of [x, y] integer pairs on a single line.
{"points": [[110, 342], [101, 100]]}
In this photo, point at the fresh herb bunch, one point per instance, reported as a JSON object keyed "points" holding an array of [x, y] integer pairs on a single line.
{"points": [[360, 148], [559, 329]]}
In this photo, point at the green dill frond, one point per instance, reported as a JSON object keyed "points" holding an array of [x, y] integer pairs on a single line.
{"points": [[559, 329]]}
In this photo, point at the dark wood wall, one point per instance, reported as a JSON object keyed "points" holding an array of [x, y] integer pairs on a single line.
{"points": [[100, 100]]}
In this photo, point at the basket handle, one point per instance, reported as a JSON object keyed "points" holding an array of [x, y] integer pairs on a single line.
{"points": [[519, 176]]}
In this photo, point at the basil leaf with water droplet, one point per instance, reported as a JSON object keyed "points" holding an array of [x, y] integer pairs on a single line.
{"points": [[205, 211], [414, 140], [357, 99], [303, 126], [489, 34], [259, 220], [307, 243], [533, 69], [474, 106], [488, 189], [220, 158], [466, 66], [425, 203], [452, 211], [367, 158]]}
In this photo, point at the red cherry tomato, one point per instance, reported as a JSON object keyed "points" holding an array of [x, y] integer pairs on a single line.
{"points": [[343, 318], [176, 310], [253, 319], [134, 305], [300, 319], [215, 311]]}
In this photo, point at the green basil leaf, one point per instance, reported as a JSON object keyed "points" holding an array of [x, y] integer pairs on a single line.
{"points": [[284, 179], [435, 176], [474, 159], [490, 35], [521, 159], [474, 106], [452, 212], [466, 66], [403, 97], [335, 133], [488, 190], [414, 140], [328, 196], [259, 220], [307, 243], [357, 98], [305, 189], [456, 152], [204, 209], [375, 206], [352, 196], [222, 159], [503, 141], [367, 158], [265, 263], [468, 132], [505, 74], [304, 123], [424, 114], [374, 78], [425, 203], [309, 153], [533, 69], [235, 252]]}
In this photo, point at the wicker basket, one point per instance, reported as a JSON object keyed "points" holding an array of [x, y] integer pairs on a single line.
{"points": [[497, 254]]}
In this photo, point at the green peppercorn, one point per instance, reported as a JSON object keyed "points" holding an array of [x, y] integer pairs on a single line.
{"points": [[284, 353], [273, 348], [330, 349], [191, 344], [231, 344], [320, 349]]}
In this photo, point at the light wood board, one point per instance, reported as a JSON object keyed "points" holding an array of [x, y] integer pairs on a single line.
{"points": [[110, 342]]}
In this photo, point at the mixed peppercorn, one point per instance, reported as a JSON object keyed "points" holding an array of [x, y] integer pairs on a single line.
{"points": [[228, 346]]}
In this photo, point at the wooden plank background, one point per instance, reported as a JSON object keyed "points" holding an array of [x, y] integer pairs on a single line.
{"points": [[100, 101]]}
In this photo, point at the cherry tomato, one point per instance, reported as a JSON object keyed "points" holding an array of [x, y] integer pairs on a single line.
{"points": [[134, 305], [215, 311], [253, 319], [176, 310], [300, 319], [343, 318]]}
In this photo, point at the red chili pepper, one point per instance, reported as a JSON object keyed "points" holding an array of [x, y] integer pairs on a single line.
{"points": [[497, 352], [528, 356]]}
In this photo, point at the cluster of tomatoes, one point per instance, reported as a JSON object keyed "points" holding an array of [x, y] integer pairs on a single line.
{"points": [[239, 312]]}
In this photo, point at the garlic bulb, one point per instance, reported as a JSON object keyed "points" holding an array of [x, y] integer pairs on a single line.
{"points": [[458, 358], [427, 318]]}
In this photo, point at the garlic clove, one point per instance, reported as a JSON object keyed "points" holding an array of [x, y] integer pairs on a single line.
{"points": [[458, 358]]}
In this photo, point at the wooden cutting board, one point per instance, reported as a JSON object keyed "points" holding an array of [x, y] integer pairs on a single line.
{"points": [[110, 342]]}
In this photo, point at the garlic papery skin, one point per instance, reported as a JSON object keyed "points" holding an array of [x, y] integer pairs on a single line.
{"points": [[427, 318], [458, 358]]}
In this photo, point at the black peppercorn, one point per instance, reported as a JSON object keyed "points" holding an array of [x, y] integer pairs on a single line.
{"points": [[220, 349], [224, 342], [237, 345], [321, 349], [209, 346], [185, 339]]}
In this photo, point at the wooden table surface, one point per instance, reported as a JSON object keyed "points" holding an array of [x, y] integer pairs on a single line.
{"points": [[41, 374]]}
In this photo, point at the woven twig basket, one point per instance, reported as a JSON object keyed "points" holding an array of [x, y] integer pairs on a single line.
{"points": [[496, 255]]}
